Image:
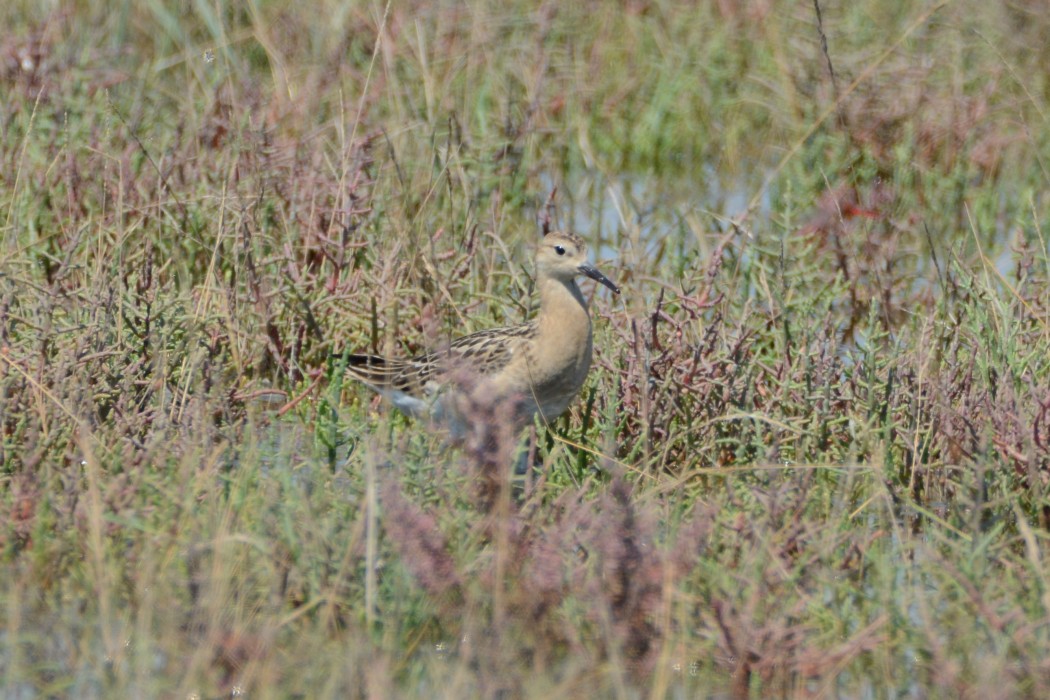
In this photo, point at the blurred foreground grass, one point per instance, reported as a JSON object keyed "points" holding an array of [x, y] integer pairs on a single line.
{"points": [[812, 458]]}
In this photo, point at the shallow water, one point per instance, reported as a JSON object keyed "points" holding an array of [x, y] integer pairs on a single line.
{"points": [[633, 213]]}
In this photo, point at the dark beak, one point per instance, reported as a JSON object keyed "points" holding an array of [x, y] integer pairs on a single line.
{"points": [[593, 273]]}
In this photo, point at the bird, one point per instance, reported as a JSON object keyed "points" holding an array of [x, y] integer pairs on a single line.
{"points": [[534, 368]]}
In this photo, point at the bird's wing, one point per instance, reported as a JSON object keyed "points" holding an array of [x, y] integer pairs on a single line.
{"points": [[483, 354], [488, 352], [407, 376]]}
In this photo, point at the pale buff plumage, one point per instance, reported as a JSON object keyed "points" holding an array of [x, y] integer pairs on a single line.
{"points": [[540, 366]]}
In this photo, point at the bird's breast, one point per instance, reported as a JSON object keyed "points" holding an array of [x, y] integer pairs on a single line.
{"points": [[556, 369]]}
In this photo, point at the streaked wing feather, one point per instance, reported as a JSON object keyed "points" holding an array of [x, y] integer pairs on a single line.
{"points": [[485, 353], [488, 352]]}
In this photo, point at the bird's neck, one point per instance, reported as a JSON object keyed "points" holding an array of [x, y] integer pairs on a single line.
{"points": [[559, 355], [563, 316]]}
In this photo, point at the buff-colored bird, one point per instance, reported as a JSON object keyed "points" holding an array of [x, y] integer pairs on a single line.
{"points": [[540, 366]]}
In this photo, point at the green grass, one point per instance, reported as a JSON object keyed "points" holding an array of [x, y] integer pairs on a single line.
{"points": [[813, 455]]}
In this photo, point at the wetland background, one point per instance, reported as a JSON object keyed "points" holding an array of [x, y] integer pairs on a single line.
{"points": [[812, 456]]}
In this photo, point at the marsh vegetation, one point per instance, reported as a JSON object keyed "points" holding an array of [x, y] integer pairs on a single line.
{"points": [[811, 459]]}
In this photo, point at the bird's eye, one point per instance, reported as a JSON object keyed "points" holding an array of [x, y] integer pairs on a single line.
{"points": [[560, 250]]}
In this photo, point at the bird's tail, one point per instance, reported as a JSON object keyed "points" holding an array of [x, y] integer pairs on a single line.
{"points": [[371, 369]]}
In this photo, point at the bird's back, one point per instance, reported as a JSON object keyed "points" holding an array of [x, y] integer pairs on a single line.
{"points": [[414, 385]]}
